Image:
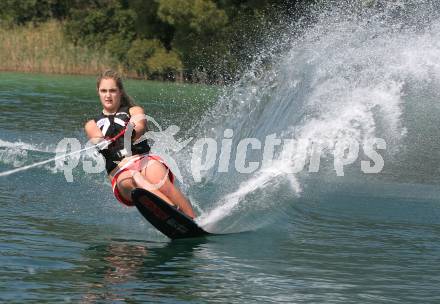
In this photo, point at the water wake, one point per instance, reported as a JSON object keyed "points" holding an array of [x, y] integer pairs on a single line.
{"points": [[348, 77]]}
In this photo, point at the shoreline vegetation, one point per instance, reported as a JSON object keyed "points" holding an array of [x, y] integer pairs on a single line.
{"points": [[197, 41], [43, 48]]}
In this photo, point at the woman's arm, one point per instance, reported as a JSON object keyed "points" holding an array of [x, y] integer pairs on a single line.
{"points": [[139, 121], [93, 132]]}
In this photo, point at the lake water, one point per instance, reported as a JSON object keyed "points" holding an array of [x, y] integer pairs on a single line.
{"points": [[290, 237]]}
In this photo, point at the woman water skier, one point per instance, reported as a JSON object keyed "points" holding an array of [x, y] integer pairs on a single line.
{"points": [[141, 169]]}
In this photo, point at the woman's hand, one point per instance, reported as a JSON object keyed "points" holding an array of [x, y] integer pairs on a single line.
{"points": [[103, 144], [138, 120]]}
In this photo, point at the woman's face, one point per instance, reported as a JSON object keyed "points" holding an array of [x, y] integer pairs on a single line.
{"points": [[109, 95]]}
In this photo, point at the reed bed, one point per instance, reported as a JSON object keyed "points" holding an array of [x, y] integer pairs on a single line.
{"points": [[44, 49]]}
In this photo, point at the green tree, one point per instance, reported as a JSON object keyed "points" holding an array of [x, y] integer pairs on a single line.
{"points": [[164, 64], [200, 16], [149, 58], [20, 12], [95, 27], [148, 24], [198, 27]]}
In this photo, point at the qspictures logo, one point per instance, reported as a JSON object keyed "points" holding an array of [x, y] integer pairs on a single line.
{"points": [[207, 153]]}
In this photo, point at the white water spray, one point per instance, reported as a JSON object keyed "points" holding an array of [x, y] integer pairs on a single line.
{"points": [[345, 78]]}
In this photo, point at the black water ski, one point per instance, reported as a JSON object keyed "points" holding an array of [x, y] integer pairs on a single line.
{"points": [[166, 218]]}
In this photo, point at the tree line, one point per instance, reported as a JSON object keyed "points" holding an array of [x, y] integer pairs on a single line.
{"points": [[196, 40]]}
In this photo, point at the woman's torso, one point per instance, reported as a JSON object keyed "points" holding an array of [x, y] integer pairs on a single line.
{"points": [[117, 154]]}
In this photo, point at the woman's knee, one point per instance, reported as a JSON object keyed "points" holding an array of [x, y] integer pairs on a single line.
{"points": [[156, 174], [125, 184]]}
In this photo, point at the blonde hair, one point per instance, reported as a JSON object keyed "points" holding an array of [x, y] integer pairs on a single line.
{"points": [[126, 100]]}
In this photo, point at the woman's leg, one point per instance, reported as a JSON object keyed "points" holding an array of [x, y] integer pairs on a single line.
{"points": [[128, 180], [155, 177]]}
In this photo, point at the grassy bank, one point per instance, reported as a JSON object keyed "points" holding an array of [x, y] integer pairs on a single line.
{"points": [[43, 49]]}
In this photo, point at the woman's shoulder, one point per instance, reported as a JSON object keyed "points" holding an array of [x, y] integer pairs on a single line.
{"points": [[136, 110], [91, 123]]}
